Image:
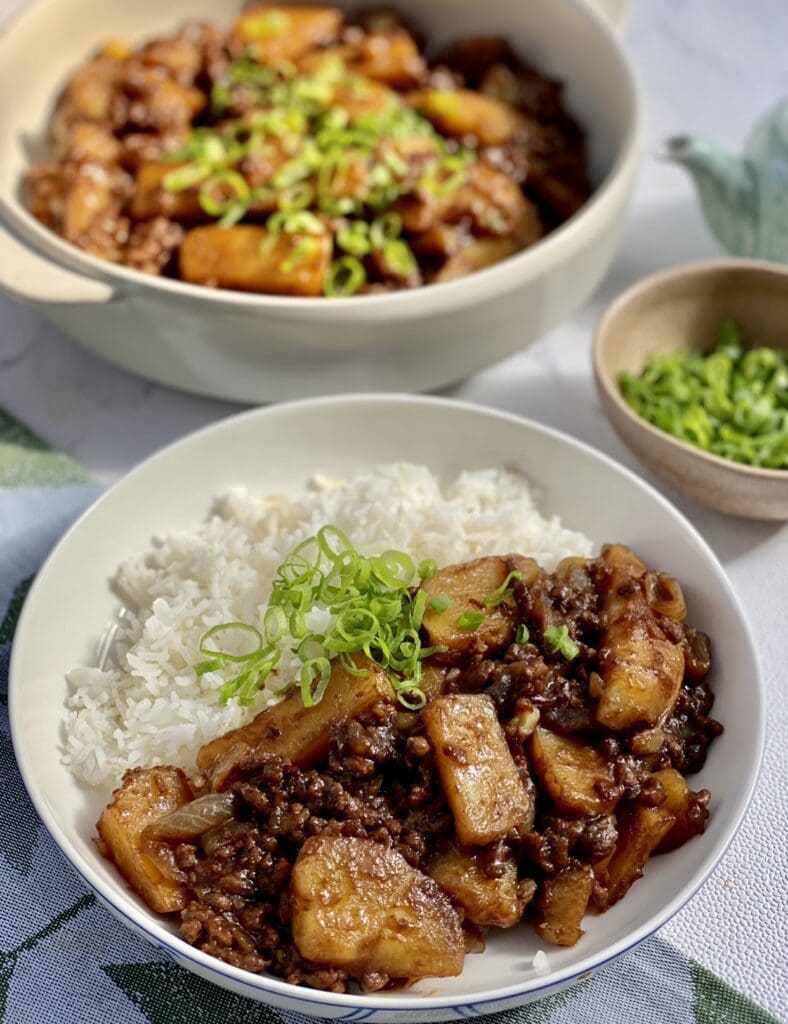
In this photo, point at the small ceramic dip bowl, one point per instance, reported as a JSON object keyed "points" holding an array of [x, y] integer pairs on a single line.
{"points": [[682, 309]]}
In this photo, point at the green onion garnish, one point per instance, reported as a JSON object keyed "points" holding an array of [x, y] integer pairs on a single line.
{"points": [[731, 401], [427, 568], [345, 277], [469, 621], [214, 203], [504, 592], [522, 635], [561, 642], [374, 612], [354, 238], [440, 603], [185, 177]]}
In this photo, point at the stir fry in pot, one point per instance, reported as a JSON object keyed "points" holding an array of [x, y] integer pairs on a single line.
{"points": [[515, 752], [305, 153]]}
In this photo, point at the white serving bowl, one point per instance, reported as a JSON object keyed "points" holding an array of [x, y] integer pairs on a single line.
{"points": [[261, 347], [280, 447]]}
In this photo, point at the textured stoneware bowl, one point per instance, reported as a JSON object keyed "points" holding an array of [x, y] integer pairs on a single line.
{"points": [[682, 308], [264, 347], [277, 448]]}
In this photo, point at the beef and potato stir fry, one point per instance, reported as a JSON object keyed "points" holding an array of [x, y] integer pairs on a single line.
{"points": [[306, 154], [359, 842]]}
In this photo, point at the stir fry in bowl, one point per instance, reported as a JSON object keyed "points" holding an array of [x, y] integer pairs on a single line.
{"points": [[306, 154], [463, 748]]}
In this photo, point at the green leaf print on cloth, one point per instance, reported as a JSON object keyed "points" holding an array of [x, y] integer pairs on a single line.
{"points": [[26, 460], [715, 1002], [19, 830], [168, 994]]}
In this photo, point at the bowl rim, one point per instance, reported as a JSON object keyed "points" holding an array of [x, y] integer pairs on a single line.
{"points": [[143, 920], [610, 389], [475, 287]]}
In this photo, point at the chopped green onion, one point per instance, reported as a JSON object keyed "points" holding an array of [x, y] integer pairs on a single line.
{"points": [[230, 181], [440, 603], [385, 229], [398, 257], [561, 642], [185, 177], [296, 197], [444, 103], [470, 621], [295, 222], [344, 277], [301, 252], [427, 569], [354, 238], [522, 635], [504, 592]]}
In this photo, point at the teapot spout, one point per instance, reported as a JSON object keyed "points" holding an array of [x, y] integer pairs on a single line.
{"points": [[726, 186]]}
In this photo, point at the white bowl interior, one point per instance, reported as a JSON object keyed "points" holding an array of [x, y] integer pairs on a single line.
{"points": [[55, 36], [270, 449]]}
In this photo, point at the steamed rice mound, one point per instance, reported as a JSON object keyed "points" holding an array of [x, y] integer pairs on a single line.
{"points": [[149, 707]]}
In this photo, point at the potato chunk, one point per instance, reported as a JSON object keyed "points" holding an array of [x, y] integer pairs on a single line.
{"points": [[249, 259], [485, 900], [690, 809], [466, 586], [573, 773], [479, 776], [561, 904], [144, 796], [361, 906], [151, 199], [465, 112], [270, 32], [640, 831], [293, 732], [641, 669]]}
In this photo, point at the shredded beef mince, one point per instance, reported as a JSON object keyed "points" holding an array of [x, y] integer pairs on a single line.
{"points": [[380, 782]]}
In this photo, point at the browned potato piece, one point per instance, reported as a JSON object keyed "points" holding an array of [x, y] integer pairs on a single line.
{"points": [[561, 904], [640, 831], [476, 255], [573, 773], [393, 59], [270, 32], [361, 906], [293, 732], [433, 678], [642, 669], [465, 112], [466, 586], [144, 796], [485, 900], [89, 197], [479, 776], [691, 810], [243, 258], [151, 199]]}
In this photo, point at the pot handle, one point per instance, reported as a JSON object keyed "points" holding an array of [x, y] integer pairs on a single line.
{"points": [[616, 12], [30, 277]]}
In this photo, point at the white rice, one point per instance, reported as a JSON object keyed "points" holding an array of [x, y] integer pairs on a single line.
{"points": [[152, 708]]}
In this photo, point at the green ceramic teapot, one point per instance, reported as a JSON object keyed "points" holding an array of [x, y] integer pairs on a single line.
{"points": [[744, 198]]}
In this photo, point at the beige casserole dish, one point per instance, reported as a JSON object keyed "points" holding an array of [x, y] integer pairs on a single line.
{"points": [[261, 347]]}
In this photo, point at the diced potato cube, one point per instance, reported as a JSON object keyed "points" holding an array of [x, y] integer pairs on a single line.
{"points": [[485, 900], [361, 906], [270, 32], [574, 774], [465, 112], [466, 586], [690, 809], [433, 679], [480, 779], [151, 199], [294, 732], [393, 59], [248, 258], [640, 831], [642, 669], [144, 796], [561, 904]]}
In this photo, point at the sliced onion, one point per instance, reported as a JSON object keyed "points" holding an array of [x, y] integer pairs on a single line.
{"points": [[193, 819], [664, 595], [223, 833]]}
